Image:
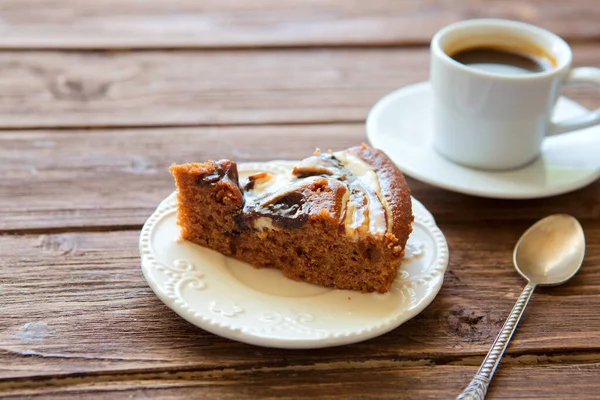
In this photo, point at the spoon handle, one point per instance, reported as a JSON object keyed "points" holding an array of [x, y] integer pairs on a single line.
{"points": [[479, 385]]}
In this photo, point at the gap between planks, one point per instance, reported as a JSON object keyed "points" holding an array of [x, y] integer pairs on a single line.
{"points": [[54, 230], [192, 47], [217, 124], [235, 48]]}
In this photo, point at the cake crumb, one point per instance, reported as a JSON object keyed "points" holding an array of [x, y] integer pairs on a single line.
{"points": [[364, 146], [329, 151], [317, 152]]}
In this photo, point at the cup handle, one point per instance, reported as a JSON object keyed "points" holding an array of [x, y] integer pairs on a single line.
{"points": [[579, 76]]}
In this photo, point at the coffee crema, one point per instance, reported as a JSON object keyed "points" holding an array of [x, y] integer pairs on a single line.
{"points": [[504, 60]]}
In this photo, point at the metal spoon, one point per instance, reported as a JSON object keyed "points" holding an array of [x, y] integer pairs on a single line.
{"points": [[549, 253]]}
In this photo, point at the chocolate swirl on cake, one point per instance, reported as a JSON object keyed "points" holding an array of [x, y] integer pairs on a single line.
{"points": [[353, 188]]}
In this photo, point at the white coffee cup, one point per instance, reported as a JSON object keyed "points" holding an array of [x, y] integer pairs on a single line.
{"points": [[492, 119]]}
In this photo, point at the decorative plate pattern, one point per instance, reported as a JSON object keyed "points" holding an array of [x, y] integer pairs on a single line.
{"points": [[262, 307]]}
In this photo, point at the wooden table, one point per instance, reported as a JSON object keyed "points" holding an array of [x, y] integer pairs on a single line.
{"points": [[97, 99]]}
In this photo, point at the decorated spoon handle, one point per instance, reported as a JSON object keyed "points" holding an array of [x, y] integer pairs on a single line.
{"points": [[479, 385]]}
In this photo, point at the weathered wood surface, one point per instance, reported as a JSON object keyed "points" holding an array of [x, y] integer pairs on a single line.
{"points": [[249, 81], [342, 380], [75, 306], [116, 178], [104, 24], [124, 89]]}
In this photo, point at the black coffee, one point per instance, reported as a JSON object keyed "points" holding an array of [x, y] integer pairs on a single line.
{"points": [[502, 61]]}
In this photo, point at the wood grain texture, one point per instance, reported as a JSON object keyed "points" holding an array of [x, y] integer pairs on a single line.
{"points": [[251, 81], [343, 380], [76, 303], [123, 89], [105, 24], [115, 178]]}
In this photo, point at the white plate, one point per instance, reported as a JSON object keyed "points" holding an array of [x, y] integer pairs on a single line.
{"points": [[262, 307], [400, 124]]}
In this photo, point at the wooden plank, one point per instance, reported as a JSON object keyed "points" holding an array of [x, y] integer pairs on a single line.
{"points": [[343, 380], [78, 179], [266, 23], [116, 178], [75, 303], [108, 89]]}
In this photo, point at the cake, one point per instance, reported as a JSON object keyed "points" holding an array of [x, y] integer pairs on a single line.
{"points": [[335, 219]]}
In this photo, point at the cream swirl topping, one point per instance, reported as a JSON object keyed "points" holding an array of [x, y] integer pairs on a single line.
{"points": [[364, 209], [366, 184]]}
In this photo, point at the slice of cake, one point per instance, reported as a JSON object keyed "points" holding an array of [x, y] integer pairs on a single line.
{"points": [[336, 219]]}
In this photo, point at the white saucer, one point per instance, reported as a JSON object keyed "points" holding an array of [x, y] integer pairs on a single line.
{"points": [[262, 307], [400, 124]]}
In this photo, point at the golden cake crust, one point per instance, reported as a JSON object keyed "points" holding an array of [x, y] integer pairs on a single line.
{"points": [[393, 187]]}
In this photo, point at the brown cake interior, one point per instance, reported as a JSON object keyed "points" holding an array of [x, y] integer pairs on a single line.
{"points": [[299, 229]]}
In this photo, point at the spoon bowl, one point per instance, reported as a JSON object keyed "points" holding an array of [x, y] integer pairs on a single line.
{"points": [[551, 251]]}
